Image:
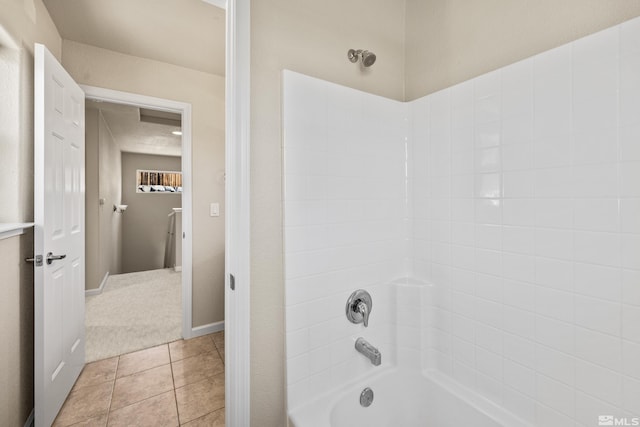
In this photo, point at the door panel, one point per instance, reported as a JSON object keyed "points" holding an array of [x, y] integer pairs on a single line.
{"points": [[59, 230]]}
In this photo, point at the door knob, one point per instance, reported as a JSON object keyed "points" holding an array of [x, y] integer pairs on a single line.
{"points": [[51, 257]]}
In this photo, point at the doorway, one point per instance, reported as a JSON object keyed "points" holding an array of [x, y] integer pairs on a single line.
{"points": [[183, 110], [101, 69], [133, 205]]}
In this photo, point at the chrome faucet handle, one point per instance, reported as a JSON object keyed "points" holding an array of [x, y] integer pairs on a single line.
{"points": [[363, 309], [358, 307]]}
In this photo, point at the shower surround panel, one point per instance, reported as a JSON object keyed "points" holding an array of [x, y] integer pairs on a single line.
{"points": [[515, 194], [345, 216], [526, 191]]}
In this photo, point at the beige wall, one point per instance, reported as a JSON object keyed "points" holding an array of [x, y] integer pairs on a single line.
{"points": [[93, 275], [110, 190], [22, 23], [25, 22], [28, 22], [205, 92], [16, 318], [450, 41], [13, 203], [145, 222], [447, 41], [102, 181], [310, 37]]}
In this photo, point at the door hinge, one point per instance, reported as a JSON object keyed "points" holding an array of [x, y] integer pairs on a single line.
{"points": [[37, 260], [232, 282]]}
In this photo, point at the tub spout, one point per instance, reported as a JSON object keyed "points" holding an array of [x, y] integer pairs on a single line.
{"points": [[372, 353]]}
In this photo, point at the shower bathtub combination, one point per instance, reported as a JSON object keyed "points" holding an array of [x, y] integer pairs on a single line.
{"points": [[404, 395], [469, 257]]}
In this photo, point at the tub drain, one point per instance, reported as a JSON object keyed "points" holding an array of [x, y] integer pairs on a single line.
{"points": [[366, 397]]}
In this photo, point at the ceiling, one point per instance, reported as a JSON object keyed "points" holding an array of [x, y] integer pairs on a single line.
{"points": [[135, 136], [188, 33]]}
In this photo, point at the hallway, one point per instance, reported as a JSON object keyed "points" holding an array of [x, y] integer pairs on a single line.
{"points": [[134, 311]]}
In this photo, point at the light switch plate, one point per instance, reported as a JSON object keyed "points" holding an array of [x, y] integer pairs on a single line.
{"points": [[214, 209]]}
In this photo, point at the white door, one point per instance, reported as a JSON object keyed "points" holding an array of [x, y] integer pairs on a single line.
{"points": [[59, 235]]}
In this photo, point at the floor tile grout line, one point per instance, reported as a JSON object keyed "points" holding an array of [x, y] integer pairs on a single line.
{"points": [[199, 381], [154, 395], [220, 355], [209, 375], [74, 388], [170, 352], [191, 384], [175, 396], [216, 345], [196, 355], [148, 397], [141, 371], [113, 388], [202, 416], [139, 351], [140, 401]]}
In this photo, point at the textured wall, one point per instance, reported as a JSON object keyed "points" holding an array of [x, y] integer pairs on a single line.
{"points": [[16, 317], [24, 23], [103, 68], [145, 222], [312, 38], [446, 42], [93, 275], [109, 189], [102, 181], [450, 41]]}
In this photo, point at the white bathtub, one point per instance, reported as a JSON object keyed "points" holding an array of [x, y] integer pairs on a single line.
{"points": [[404, 398]]}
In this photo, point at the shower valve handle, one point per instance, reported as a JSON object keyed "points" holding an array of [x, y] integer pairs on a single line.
{"points": [[358, 307], [363, 309]]}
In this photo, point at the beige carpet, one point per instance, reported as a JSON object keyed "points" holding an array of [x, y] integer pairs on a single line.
{"points": [[134, 311]]}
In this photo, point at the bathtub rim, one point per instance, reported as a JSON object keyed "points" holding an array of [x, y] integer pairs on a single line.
{"points": [[470, 397]]}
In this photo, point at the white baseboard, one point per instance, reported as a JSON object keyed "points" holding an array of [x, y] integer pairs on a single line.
{"points": [[29, 422], [99, 289], [207, 329], [177, 268]]}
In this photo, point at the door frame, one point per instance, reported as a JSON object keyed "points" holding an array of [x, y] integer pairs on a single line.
{"points": [[237, 209], [238, 212], [183, 108]]}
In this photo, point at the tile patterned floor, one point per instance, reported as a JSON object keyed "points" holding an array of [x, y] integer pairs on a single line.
{"points": [[175, 384]]}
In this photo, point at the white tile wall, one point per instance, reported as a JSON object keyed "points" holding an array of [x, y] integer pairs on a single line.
{"points": [[520, 203], [539, 209], [346, 227]]}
